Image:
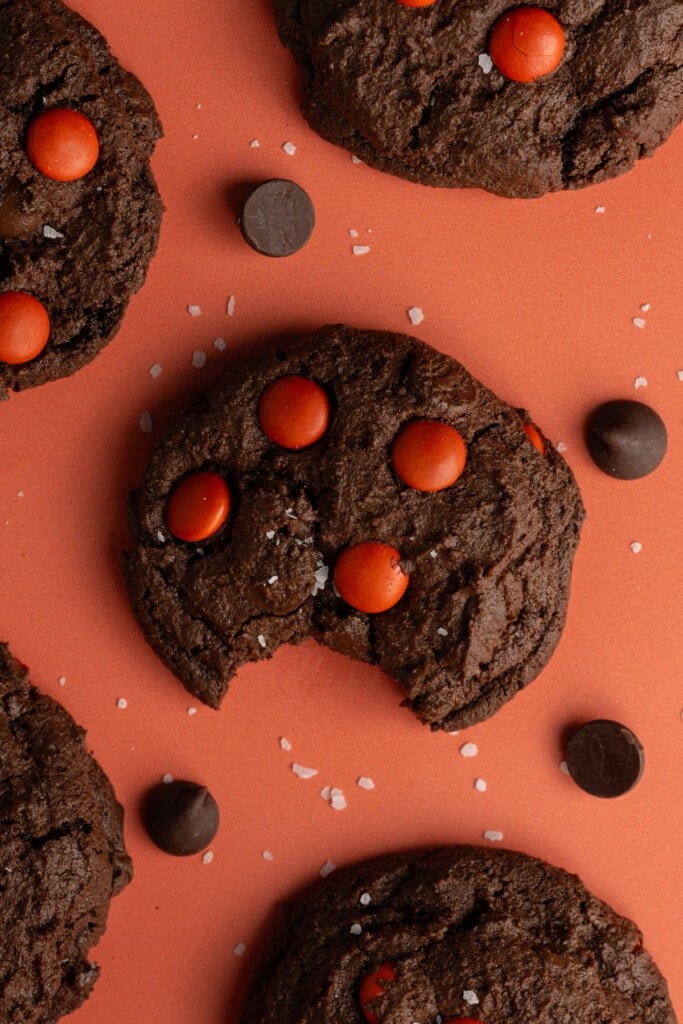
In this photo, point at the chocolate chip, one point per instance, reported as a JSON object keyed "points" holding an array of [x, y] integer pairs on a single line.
{"points": [[605, 758], [17, 220], [277, 218], [181, 817], [626, 439]]}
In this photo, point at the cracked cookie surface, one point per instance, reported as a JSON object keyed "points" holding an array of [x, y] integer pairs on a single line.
{"points": [[62, 855], [403, 89], [469, 934], [81, 247], [489, 557]]}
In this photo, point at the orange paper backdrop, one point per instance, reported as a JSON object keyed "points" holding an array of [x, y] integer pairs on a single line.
{"points": [[537, 298]]}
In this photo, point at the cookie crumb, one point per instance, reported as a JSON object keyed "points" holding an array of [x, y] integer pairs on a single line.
{"points": [[285, 744], [327, 869], [230, 307], [640, 382], [146, 423], [239, 949], [198, 359], [289, 148], [480, 785], [194, 310], [360, 250], [365, 782], [155, 370], [493, 835], [485, 63], [415, 315], [356, 929], [636, 547], [122, 703], [469, 750], [302, 772]]}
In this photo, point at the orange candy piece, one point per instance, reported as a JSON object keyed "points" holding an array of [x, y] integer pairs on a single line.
{"points": [[62, 144], [535, 436], [526, 43], [372, 987], [24, 327], [416, 3], [198, 506], [461, 1020], [368, 576], [428, 455], [294, 411]]}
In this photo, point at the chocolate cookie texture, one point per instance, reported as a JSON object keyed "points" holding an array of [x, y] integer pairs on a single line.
{"points": [[61, 857], [456, 934], [488, 558], [80, 247], [404, 89]]}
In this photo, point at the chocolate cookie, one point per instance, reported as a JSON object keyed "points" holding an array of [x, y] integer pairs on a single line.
{"points": [[457, 934], [276, 509], [61, 857], [415, 92], [79, 246]]}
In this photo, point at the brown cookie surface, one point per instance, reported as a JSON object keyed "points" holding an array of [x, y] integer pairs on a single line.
{"points": [[456, 934], [403, 88], [488, 558], [62, 856], [81, 247]]}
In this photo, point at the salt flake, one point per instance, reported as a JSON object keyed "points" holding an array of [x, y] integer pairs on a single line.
{"points": [[636, 547], [485, 63], [320, 577], [640, 382], [338, 801], [302, 772], [207, 857], [49, 232], [365, 782], [155, 370], [493, 835], [254, 143], [191, 711], [230, 307], [194, 310], [561, 447], [600, 209], [198, 359], [638, 322], [480, 785], [62, 680], [469, 750], [167, 779], [470, 997], [415, 315], [355, 159], [267, 855], [353, 233], [679, 374], [146, 423], [122, 703], [442, 632], [564, 767], [239, 949], [360, 250], [285, 744], [365, 899], [219, 343], [289, 148], [272, 580], [645, 307], [327, 869], [356, 929]]}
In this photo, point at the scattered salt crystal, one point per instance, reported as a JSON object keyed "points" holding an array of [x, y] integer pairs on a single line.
{"points": [[289, 148], [353, 233], [267, 855], [230, 307], [453, 732], [122, 703], [49, 232], [355, 159], [198, 359], [356, 929], [442, 632], [270, 534], [146, 423], [470, 997], [338, 801], [320, 577], [62, 680], [564, 767], [272, 580], [600, 209], [325, 792], [469, 750], [365, 899], [485, 63], [155, 370], [303, 773], [638, 322], [640, 382], [167, 779], [433, 553], [206, 859], [254, 143], [636, 547], [645, 307], [415, 315], [327, 869], [20, 494], [160, 537], [239, 949], [360, 250], [194, 310], [289, 512], [480, 785], [561, 446], [261, 640], [365, 782], [493, 835], [679, 374], [219, 343], [191, 711], [285, 744], [195, 137]]}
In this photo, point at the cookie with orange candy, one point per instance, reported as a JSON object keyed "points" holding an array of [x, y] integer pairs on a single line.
{"points": [[363, 489], [79, 208], [458, 935], [517, 99]]}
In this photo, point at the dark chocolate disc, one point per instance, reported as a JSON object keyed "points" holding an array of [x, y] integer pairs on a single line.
{"points": [[277, 218], [605, 758], [626, 439], [181, 817]]}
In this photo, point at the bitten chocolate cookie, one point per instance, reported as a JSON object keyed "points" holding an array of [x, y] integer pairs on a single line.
{"points": [[79, 208], [61, 857], [433, 94], [363, 489], [456, 935]]}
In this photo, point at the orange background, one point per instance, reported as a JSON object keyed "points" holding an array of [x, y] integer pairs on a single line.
{"points": [[534, 297]]}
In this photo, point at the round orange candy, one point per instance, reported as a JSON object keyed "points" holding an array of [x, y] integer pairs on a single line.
{"points": [[369, 577], [62, 144], [417, 3], [198, 506], [428, 455], [535, 436], [24, 327], [372, 987], [526, 43], [294, 411], [461, 1020]]}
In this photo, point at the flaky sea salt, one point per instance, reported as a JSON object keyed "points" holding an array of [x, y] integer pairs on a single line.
{"points": [[62, 680], [442, 632], [600, 209], [353, 233], [285, 744], [679, 374], [302, 772], [254, 143], [207, 858], [645, 307], [415, 315], [493, 835], [469, 750], [480, 785], [327, 869], [485, 63], [272, 580], [219, 344], [356, 929], [261, 640], [194, 310], [338, 800], [198, 359], [470, 997], [365, 899], [638, 322], [640, 382], [560, 447], [267, 855], [289, 148], [360, 250], [636, 547], [122, 703], [365, 782], [167, 779], [355, 159], [320, 577], [564, 767], [191, 711], [146, 423], [230, 307], [239, 949], [155, 370], [49, 232]]}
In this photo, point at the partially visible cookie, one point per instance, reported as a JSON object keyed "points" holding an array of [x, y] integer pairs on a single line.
{"points": [[264, 505], [414, 91], [457, 934], [80, 247], [62, 855]]}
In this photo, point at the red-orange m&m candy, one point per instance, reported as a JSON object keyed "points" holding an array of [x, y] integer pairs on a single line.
{"points": [[372, 987], [198, 506], [428, 455], [62, 144], [369, 577], [294, 411], [24, 327], [416, 3], [535, 436], [526, 43]]}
